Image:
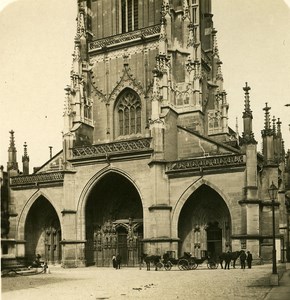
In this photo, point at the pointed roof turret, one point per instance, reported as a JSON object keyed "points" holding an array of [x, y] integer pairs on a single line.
{"points": [[12, 159], [279, 133], [267, 123], [248, 135], [274, 124], [25, 160]]}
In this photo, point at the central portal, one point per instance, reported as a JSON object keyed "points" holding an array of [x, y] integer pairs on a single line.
{"points": [[114, 222]]}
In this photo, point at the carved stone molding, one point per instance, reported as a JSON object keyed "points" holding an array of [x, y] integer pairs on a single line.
{"points": [[115, 147], [125, 38], [206, 162]]}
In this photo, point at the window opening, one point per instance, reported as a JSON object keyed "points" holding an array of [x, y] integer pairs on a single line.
{"points": [[129, 15], [129, 112]]}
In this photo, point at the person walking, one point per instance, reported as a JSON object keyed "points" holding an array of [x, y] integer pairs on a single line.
{"points": [[249, 259], [118, 261], [228, 259], [114, 262], [243, 258]]}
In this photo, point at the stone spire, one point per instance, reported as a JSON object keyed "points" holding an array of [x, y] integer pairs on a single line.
{"points": [[12, 165], [166, 18], [268, 138], [237, 131], [279, 144], [217, 75], [247, 135], [162, 44], [267, 123], [186, 22], [25, 160], [274, 124]]}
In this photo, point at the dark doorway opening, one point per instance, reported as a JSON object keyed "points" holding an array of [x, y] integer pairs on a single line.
{"points": [[214, 240], [43, 233], [204, 223], [114, 221]]}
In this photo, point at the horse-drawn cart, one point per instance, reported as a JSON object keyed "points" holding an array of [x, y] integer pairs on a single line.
{"points": [[189, 262], [186, 262]]}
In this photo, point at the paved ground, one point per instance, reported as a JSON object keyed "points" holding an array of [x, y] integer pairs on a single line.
{"points": [[132, 283], [281, 292]]}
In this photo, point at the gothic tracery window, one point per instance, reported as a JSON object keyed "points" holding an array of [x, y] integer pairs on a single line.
{"points": [[129, 113]]}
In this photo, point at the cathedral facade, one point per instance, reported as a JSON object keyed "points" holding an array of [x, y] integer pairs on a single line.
{"points": [[149, 163]]}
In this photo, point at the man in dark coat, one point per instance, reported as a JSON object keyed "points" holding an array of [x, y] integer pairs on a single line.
{"points": [[228, 259], [118, 261], [243, 258], [249, 259]]}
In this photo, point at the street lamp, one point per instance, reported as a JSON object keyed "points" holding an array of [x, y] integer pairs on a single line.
{"points": [[287, 203], [273, 193]]}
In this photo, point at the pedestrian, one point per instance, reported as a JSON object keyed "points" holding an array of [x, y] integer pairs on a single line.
{"points": [[228, 259], [114, 262], [118, 261], [243, 257], [249, 259]]}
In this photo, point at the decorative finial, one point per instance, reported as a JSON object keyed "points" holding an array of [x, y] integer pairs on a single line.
{"points": [[247, 111], [246, 88], [50, 151], [25, 149], [12, 140]]}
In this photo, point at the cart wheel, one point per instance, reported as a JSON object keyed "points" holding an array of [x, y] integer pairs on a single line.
{"points": [[192, 265], [212, 265], [12, 273], [159, 266], [183, 264], [168, 266]]}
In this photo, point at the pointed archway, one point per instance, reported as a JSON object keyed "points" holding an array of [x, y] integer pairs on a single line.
{"points": [[204, 223], [114, 221], [43, 232]]}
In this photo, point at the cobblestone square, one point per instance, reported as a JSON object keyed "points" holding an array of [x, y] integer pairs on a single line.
{"points": [[132, 283]]}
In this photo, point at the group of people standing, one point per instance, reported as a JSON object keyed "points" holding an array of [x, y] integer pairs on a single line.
{"points": [[116, 259], [246, 258]]}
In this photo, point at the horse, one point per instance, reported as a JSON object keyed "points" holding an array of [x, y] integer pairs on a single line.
{"points": [[233, 256], [150, 259]]}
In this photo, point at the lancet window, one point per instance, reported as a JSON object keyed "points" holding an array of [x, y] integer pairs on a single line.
{"points": [[129, 15], [129, 113]]}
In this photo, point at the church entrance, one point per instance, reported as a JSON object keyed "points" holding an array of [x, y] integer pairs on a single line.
{"points": [[114, 222], [214, 240], [204, 224], [42, 232]]}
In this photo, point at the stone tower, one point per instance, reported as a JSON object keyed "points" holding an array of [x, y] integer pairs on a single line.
{"points": [[136, 64]]}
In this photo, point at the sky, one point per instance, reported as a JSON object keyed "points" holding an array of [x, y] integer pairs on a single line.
{"points": [[36, 38]]}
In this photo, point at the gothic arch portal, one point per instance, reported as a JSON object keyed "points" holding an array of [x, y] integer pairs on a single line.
{"points": [[41, 229], [113, 220], [203, 221], [23, 214]]}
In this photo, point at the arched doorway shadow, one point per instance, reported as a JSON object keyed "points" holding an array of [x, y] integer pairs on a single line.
{"points": [[204, 223], [114, 221], [42, 232]]}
